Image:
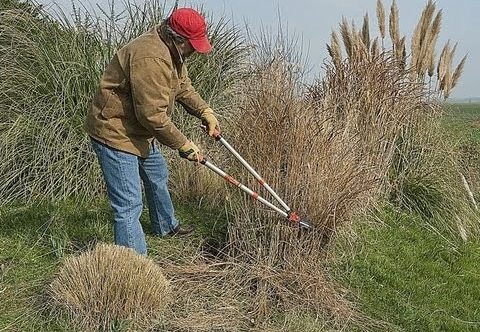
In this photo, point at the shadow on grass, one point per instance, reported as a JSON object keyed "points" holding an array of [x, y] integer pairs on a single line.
{"points": [[62, 227], [69, 227]]}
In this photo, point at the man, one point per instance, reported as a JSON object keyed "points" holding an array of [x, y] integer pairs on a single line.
{"points": [[131, 108]]}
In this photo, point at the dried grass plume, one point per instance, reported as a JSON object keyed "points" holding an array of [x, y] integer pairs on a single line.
{"points": [[394, 25], [381, 18], [334, 49], [366, 31]]}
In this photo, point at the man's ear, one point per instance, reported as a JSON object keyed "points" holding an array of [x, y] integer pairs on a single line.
{"points": [[183, 44]]}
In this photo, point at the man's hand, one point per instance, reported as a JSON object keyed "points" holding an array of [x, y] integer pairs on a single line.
{"points": [[190, 152], [210, 121]]}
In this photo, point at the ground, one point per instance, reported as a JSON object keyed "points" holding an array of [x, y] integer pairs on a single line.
{"points": [[400, 273]]}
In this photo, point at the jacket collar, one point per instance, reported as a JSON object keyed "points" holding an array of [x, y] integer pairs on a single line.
{"points": [[174, 52]]}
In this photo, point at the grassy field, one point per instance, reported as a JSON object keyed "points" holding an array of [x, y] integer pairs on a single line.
{"points": [[399, 273], [403, 275], [464, 121]]}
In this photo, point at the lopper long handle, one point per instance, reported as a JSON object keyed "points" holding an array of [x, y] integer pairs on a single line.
{"points": [[288, 213], [291, 216], [257, 176], [244, 188]]}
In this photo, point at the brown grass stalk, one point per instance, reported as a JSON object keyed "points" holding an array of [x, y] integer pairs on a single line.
{"points": [[419, 37], [431, 65], [375, 48], [452, 55], [426, 19], [400, 52], [415, 45], [447, 82], [334, 49], [428, 47], [361, 50], [443, 63], [448, 79]]}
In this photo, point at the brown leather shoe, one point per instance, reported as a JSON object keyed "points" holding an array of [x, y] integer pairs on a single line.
{"points": [[182, 230]]}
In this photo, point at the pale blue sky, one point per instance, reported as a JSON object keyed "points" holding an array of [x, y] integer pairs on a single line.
{"points": [[313, 20]]}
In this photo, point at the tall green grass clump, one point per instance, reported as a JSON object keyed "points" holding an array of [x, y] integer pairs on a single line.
{"points": [[50, 67], [46, 79]]}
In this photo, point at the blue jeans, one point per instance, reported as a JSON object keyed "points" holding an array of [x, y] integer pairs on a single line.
{"points": [[122, 172]]}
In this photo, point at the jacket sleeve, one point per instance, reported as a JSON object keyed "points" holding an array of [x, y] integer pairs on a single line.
{"points": [[189, 98], [150, 84]]}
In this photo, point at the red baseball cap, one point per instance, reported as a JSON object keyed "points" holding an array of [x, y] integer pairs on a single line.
{"points": [[190, 24]]}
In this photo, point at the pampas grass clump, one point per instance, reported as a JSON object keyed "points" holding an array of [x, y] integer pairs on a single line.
{"points": [[110, 287]]}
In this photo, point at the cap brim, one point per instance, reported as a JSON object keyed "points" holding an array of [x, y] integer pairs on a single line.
{"points": [[201, 45]]}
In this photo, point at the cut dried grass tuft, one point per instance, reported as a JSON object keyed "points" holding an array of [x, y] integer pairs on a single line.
{"points": [[110, 287]]}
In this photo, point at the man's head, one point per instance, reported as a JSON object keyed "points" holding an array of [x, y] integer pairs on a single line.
{"points": [[189, 31]]}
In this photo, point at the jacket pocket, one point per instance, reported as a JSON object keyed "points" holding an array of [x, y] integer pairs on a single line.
{"points": [[113, 107]]}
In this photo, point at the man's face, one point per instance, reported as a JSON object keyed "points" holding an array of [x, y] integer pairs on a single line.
{"points": [[186, 49]]}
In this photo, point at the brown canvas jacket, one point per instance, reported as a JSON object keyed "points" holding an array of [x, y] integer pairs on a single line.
{"points": [[136, 95]]}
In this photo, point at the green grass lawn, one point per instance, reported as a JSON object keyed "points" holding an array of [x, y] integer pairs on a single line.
{"points": [[463, 120], [404, 275]]}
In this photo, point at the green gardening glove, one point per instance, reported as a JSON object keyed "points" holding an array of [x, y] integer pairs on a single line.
{"points": [[190, 152]]}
